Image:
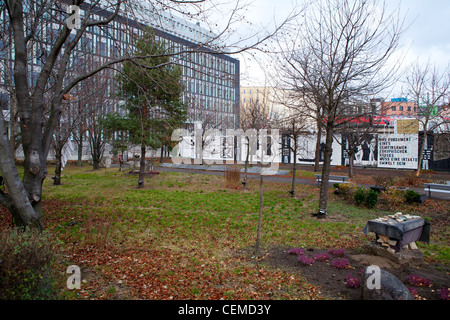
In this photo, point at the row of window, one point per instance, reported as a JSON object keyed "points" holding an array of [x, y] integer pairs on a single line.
{"points": [[209, 89], [211, 104], [225, 120], [401, 108], [208, 77]]}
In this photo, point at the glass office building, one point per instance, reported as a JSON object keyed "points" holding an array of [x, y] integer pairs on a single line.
{"points": [[211, 78]]}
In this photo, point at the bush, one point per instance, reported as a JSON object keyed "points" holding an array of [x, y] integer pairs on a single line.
{"points": [[384, 181], [411, 196], [394, 196], [371, 199], [26, 259], [347, 190], [368, 197], [410, 180], [360, 196]]}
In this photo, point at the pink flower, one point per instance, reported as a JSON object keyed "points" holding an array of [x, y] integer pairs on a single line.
{"points": [[418, 281], [337, 252], [444, 293], [305, 259], [321, 256], [340, 263], [352, 282], [297, 251]]}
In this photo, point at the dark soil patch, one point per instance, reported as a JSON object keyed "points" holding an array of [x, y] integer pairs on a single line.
{"points": [[331, 282]]}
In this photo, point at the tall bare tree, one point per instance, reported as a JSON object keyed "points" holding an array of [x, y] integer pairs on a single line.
{"points": [[356, 127], [293, 127], [428, 87], [254, 115], [340, 54]]}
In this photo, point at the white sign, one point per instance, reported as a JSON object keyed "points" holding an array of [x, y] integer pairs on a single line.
{"points": [[398, 151]]}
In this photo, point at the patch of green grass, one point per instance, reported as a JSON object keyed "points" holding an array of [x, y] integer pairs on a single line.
{"points": [[193, 212]]}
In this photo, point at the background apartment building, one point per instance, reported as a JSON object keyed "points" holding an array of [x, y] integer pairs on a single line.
{"points": [[399, 108]]}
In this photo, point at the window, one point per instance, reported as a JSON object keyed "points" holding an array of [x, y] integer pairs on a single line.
{"points": [[401, 108], [394, 108]]}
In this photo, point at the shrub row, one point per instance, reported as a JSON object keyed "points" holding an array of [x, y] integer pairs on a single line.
{"points": [[369, 197], [359, 195], [26, 261]]}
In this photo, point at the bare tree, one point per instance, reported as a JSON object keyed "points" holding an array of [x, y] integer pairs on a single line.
{"points": [[341, 54], [254, 115], [356, 127], [429, 88], [39, 115], [293, 127]]}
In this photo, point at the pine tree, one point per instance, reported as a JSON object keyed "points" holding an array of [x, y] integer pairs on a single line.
{"points": [[152, 90]]}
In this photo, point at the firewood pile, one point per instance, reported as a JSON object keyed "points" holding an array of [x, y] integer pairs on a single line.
{"points": [[398, 217], [389, 243]]}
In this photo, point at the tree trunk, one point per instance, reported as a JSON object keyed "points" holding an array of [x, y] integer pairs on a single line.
{"points": [[97, 153], [16, 198], [13, 126], [58, 157], [80, 149], [350, 164], [422, 148], [323, 200], [95, 160], [317, 154], [246, 163], [294, 173], [142, 167], [24, 196], [260, 215]]}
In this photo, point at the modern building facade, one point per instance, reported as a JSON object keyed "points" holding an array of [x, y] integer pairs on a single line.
{"points": [[211, 77]]}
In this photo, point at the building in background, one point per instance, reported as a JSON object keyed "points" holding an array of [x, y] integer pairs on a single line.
{"points": [[276, 103], [399, 108], [211, 78], [261, 98]]}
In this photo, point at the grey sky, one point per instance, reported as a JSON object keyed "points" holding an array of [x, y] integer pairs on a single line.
{"points": [[427, 37]]}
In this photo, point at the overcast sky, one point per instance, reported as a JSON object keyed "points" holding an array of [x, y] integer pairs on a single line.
{"points": [[428, 35]]}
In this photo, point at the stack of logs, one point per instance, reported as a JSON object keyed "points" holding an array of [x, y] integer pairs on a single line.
{"points": [[388, 243]]}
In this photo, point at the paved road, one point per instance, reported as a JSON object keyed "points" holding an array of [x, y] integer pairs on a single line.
{"points": [[278, 178]]}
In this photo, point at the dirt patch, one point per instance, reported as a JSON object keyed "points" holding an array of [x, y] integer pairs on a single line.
{"points": [[331, 281]]}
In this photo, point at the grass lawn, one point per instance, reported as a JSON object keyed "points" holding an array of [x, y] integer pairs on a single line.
{"points": [[187, 236]]}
